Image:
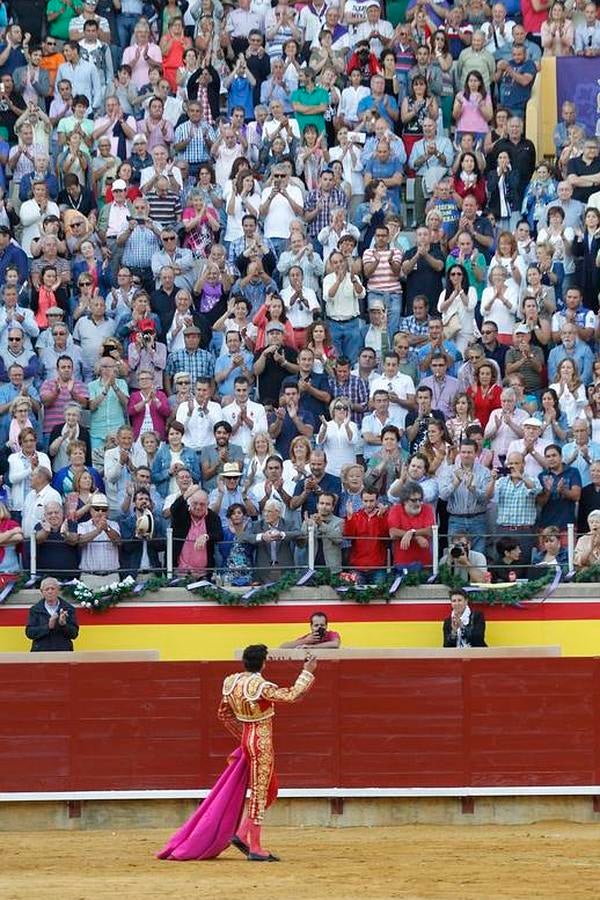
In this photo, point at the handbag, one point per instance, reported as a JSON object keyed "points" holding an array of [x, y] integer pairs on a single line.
{"points": [[452, 326]]}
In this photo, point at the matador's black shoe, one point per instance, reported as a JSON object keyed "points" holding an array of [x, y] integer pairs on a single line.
{"points": [[240, 845], [258, 857]]}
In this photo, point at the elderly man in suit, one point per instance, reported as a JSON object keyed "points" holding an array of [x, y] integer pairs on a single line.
{"points": [[272, 539], [52, 623]]}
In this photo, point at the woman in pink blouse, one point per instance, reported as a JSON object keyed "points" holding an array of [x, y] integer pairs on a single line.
{"points": [[141, 55], [148, 408], [557, 33]]}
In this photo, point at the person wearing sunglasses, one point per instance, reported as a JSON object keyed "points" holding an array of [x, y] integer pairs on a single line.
{"points": [[410, 522], [52, 58], [99, 538]]}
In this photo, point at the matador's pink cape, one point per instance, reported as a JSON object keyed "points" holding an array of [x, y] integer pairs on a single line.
{"points": [[210, 828]]}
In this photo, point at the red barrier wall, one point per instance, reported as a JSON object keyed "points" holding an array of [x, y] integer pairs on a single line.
{"points": [[366, 723]]}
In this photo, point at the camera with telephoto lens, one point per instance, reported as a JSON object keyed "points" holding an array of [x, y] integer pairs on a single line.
{"points": [[321, 631], [458, 550]]}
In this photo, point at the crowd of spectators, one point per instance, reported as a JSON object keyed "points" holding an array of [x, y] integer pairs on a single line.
{"points": [[293, 282]]}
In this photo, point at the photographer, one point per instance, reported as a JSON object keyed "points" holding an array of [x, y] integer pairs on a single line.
{"points": [[146, 353], [462, 561], [319, 636]]}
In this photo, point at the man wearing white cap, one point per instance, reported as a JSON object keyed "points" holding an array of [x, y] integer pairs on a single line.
{"points": [[379, 32], [114, 221], [99, 538], [531, 446]]}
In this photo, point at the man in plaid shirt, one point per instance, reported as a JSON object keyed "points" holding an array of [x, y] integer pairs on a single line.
{"points": [[194, 138], [320, 203], [196, 362], [343, 384]]}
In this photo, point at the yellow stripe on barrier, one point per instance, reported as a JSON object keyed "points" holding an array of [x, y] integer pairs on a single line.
{"points": [[211, 642]]}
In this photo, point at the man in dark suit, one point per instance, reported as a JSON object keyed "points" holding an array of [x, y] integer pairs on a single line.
{"points": [[52, 623], [141, 529], [464, 627], [273, 542]]}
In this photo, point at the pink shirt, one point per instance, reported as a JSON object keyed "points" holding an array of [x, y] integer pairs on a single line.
{"points": [[470, 117], [140, 69], [190, 559]]}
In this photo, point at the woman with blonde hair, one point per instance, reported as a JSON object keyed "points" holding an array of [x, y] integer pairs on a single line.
{"points": [[261, 448], [296, 467], [338, 437], [21, 464], [20, 409], [587, 548]]}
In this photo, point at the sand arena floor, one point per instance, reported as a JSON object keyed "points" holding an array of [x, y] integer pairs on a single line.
{"points": [[556, 860]]}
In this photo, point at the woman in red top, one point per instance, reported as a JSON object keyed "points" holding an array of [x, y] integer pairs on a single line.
{"points": [[469, 180], [534, 13], [173, 44], [486, 393]]}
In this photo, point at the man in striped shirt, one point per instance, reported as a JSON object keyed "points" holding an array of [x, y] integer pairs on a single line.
{"points": [[163, 204], [381, 266]]}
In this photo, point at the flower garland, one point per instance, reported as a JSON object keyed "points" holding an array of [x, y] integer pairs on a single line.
{"points": [[104, 598]]}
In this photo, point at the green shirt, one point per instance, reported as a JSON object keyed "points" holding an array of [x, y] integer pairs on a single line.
{"points": [[468, 265], [59, 28], [316, 97], [110, 415]]}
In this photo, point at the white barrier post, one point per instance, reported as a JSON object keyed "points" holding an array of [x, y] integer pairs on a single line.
{"points": [[33, 556], [169, 552], [435, 548], [311, 546], [571, 545]]}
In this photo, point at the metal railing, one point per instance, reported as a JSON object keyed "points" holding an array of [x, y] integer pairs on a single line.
{"points": [[311, 543]]}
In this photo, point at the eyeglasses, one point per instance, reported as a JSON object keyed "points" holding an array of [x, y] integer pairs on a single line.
{"points": [[14, 340], [169, 237], [99, 508], [50, 43], [339, 407], [84, 283]]}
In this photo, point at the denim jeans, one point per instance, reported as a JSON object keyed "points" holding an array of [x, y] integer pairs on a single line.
{"points": [[474, 526], [125, 26], [393, 305], [347, 337]]}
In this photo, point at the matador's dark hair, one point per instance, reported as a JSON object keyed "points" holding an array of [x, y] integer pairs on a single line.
{"points": [[254, 657]]}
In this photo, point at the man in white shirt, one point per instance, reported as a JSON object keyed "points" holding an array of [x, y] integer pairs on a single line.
{"points": [[245, 416], [161, 166], [400, 388], [36, 499], [376, 30], [498, 31], [300, 303], [351, 97], [118, 469], [281, 204], [199, 416]]}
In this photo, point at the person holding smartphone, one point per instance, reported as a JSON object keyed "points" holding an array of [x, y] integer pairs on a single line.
{"points": [[319, 636]]}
